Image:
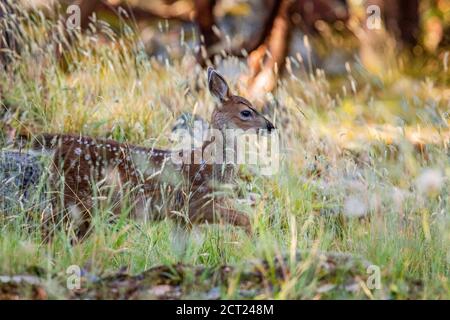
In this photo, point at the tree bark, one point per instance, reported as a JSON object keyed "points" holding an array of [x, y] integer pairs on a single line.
{"points": [[256, 40], [265, 61], [401, 19], [87, 8], [205, 19], [311, 11]]}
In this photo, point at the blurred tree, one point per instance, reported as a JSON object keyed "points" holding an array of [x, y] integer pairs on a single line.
{"points": [[266, 48], [401, 18], [380, 45], [205, 19], [152, 9], [265, 61], [87, 7], [311, 11]]}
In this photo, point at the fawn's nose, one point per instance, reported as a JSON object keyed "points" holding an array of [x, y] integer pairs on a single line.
{"points": [[270, 126]]}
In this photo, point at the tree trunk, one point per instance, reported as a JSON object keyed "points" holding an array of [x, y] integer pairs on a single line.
{"points": [[311, 11], [401, 19], [87, 8], [265, 62]]}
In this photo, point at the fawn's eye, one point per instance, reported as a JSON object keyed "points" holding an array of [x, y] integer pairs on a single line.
{"points": [[246, 114]]}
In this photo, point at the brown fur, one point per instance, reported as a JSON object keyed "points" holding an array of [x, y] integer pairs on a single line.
{"points": [[147, 177]]}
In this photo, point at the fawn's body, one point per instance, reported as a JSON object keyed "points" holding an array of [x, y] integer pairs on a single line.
{"points": [[153, 183]]}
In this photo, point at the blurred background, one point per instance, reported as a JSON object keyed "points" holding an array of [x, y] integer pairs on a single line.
{"points": [[270, 35]]}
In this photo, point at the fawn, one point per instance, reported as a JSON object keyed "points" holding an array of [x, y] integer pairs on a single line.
{"points": [[147, 177]]}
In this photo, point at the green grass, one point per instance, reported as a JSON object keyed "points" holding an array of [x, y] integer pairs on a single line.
{"points": [[329, 159]]}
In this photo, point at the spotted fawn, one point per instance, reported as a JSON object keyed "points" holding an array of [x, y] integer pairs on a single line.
{"points": [[153, 184]]}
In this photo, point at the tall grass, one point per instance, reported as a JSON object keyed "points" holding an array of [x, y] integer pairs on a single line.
{"points": [[351, 178]]}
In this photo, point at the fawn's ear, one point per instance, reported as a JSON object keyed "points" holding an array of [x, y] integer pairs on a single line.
{"points": [[217, 85]]}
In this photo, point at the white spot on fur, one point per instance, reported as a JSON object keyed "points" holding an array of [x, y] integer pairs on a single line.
{"points": [[112, 176]]}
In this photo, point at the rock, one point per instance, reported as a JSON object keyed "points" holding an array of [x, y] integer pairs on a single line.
{"points": [[21, 180]]}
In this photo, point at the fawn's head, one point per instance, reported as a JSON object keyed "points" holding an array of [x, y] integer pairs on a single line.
{"points": [[232, 111]]}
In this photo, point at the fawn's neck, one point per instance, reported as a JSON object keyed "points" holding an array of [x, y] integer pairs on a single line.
{"points": [[224, 171]]}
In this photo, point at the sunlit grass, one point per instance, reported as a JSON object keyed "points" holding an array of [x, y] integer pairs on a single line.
{"points": [[341, 147]]}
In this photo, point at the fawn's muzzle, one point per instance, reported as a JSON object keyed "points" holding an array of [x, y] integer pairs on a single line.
{"points": [[270, 126]]}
